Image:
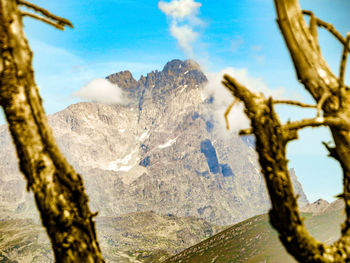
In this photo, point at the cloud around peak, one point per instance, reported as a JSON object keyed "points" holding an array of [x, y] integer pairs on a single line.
{"points": [[223, 98], [102, 90]]}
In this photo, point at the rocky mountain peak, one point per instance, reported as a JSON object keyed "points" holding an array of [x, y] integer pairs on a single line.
{"points": [[123, 79], [317, 207], [176, 75], [176, 66]]}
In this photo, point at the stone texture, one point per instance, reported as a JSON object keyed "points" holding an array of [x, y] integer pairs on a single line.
{"points": [[165, 152]]}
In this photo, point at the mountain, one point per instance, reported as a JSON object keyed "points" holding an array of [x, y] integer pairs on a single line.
{"points": [[317, 207], [164, 151], [255, 241]]}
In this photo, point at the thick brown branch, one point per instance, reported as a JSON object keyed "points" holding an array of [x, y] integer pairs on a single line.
{"points": [[317, 122], [312, 70], [58, 190], [43, 19], [305, 123], [271, 137], [270, 145], [318, 79], [59, 20]]}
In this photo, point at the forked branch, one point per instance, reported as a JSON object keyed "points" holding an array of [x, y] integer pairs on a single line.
{"points": [[227, 112], [270, 145], [272, 137], [43, 19], [46, 17], [326, 25]]}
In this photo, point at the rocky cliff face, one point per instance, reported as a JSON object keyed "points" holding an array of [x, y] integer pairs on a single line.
{"points": [[164, 152]]}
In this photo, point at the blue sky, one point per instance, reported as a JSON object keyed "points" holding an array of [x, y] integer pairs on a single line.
{"points": [[114, 35]]}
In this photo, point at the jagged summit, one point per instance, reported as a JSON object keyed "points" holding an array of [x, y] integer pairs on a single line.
{"points": [[123, 79], [175, 75], [178, 66], [317, 207]]}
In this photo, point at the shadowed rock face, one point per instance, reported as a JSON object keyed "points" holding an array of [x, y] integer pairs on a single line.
{"points": [[210, 154], [164, 152]]}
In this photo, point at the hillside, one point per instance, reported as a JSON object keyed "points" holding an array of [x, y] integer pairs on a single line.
{"points": [[254, 240], [135, 237]]}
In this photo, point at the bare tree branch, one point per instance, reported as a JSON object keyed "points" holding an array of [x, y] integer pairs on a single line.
{"points": [[343, 61], [331, 150], [327, 26], [318, 78], [270, 145], [58, 190], [317, 122], [59, 20], [245, 132], [227, 113], [43, 19], [306, 123], [321, 102], [313, 26], [272, 137], [295, 103]]}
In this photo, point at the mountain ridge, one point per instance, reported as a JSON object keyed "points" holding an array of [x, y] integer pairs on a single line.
{"points": [[163, 152]]}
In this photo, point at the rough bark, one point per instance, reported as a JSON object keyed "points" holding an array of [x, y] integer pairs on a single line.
{"points": [[58, 189], [333, 99]]}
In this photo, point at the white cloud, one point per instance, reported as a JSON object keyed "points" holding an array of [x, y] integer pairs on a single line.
{"points": [[179, 9], [102, 90], [59, 72], [183, 15], [223, 98], [185, 36]]}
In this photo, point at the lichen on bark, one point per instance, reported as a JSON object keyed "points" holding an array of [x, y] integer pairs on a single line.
{"points": [[58, 190]]}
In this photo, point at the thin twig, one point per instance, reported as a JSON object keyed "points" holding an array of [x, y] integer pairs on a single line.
{"points": [[227, 113], [331, 150], [246, 131], [313, 25], [58, 26], [296, 103], [327, 26], [59, 20], [320, 103], [344, 60]]}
